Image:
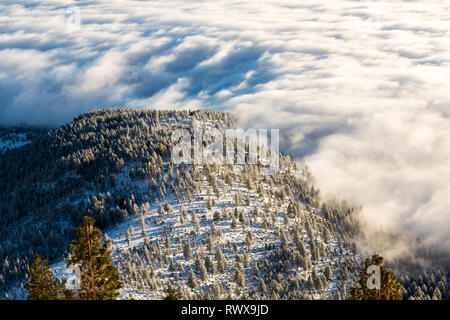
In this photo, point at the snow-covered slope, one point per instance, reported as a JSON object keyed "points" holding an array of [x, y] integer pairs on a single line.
{"points": [[16, 137], [281, 245], [221, 231], [12, 144], [149, 247]]}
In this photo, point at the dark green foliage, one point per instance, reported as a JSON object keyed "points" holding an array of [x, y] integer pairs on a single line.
{"points": [[390, 288], [42, 285], [19, 134], [120, 159], [44, 183], [434, 280], [171, 293], [100, 279], [192, 280]]}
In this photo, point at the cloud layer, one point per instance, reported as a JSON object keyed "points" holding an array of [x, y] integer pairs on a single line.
{"points": [[360, 90]]}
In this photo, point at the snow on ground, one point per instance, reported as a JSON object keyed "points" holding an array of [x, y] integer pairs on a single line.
{"points": [[18, 141], [155, 226]]}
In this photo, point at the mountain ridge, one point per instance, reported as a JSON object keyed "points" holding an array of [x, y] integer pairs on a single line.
{"points": [[114, 165]]}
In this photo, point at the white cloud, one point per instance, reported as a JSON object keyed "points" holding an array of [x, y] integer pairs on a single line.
{"points": [[359, 89]]}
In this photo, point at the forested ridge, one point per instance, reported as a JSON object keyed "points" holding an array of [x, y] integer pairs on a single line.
{"points": [[211, 231], [44, 181]]}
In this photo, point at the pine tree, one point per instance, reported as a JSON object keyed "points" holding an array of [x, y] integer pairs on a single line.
{"points": [[216, 215], [217, 291], [142, 222], [195, 222], [249, 239], [129, 235], [187, 250], [310, 283], [262, 286], [210, 243], [210, 265], [171, 294], [100, 279], [42, 285], [390, 288], [239, 278], [234, 223], [220, 259], [200, 265], [328, 272], [245, 259], [192, 279]]}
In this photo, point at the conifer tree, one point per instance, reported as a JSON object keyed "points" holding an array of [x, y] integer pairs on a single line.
{"points": [[42, 285], [200, 265], [328, 272], [390, 288], [234, 223], [220, 259], [100, 279], [192, 279], [170, 293], [262, 286], [210, 265], [210, 243], [239, 277], [187, 250]]}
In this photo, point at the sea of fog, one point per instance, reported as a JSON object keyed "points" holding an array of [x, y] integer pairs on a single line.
{"points": [[359, 89]]}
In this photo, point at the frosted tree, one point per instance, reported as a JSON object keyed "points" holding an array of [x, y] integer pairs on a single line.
{"points": [[261, 286], [274, 286], [192, 280], [187, 252], [195, 222], [245, 260], [328, 272], [239, 278], [234, 223], [201, 269], [129, 235], [437, 295], [216, 215], [210, 265], [220, 259], [142, 223], [167, 208], [181, 219], [225, 213], [316, 280], [210, 243], [217, 291]]}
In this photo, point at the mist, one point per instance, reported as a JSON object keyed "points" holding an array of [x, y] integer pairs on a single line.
{"points": [[360, 90]]}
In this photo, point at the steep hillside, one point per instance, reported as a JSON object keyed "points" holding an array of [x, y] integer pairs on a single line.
{"points": [[47, 184], [212, 231], [235, 234]]}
